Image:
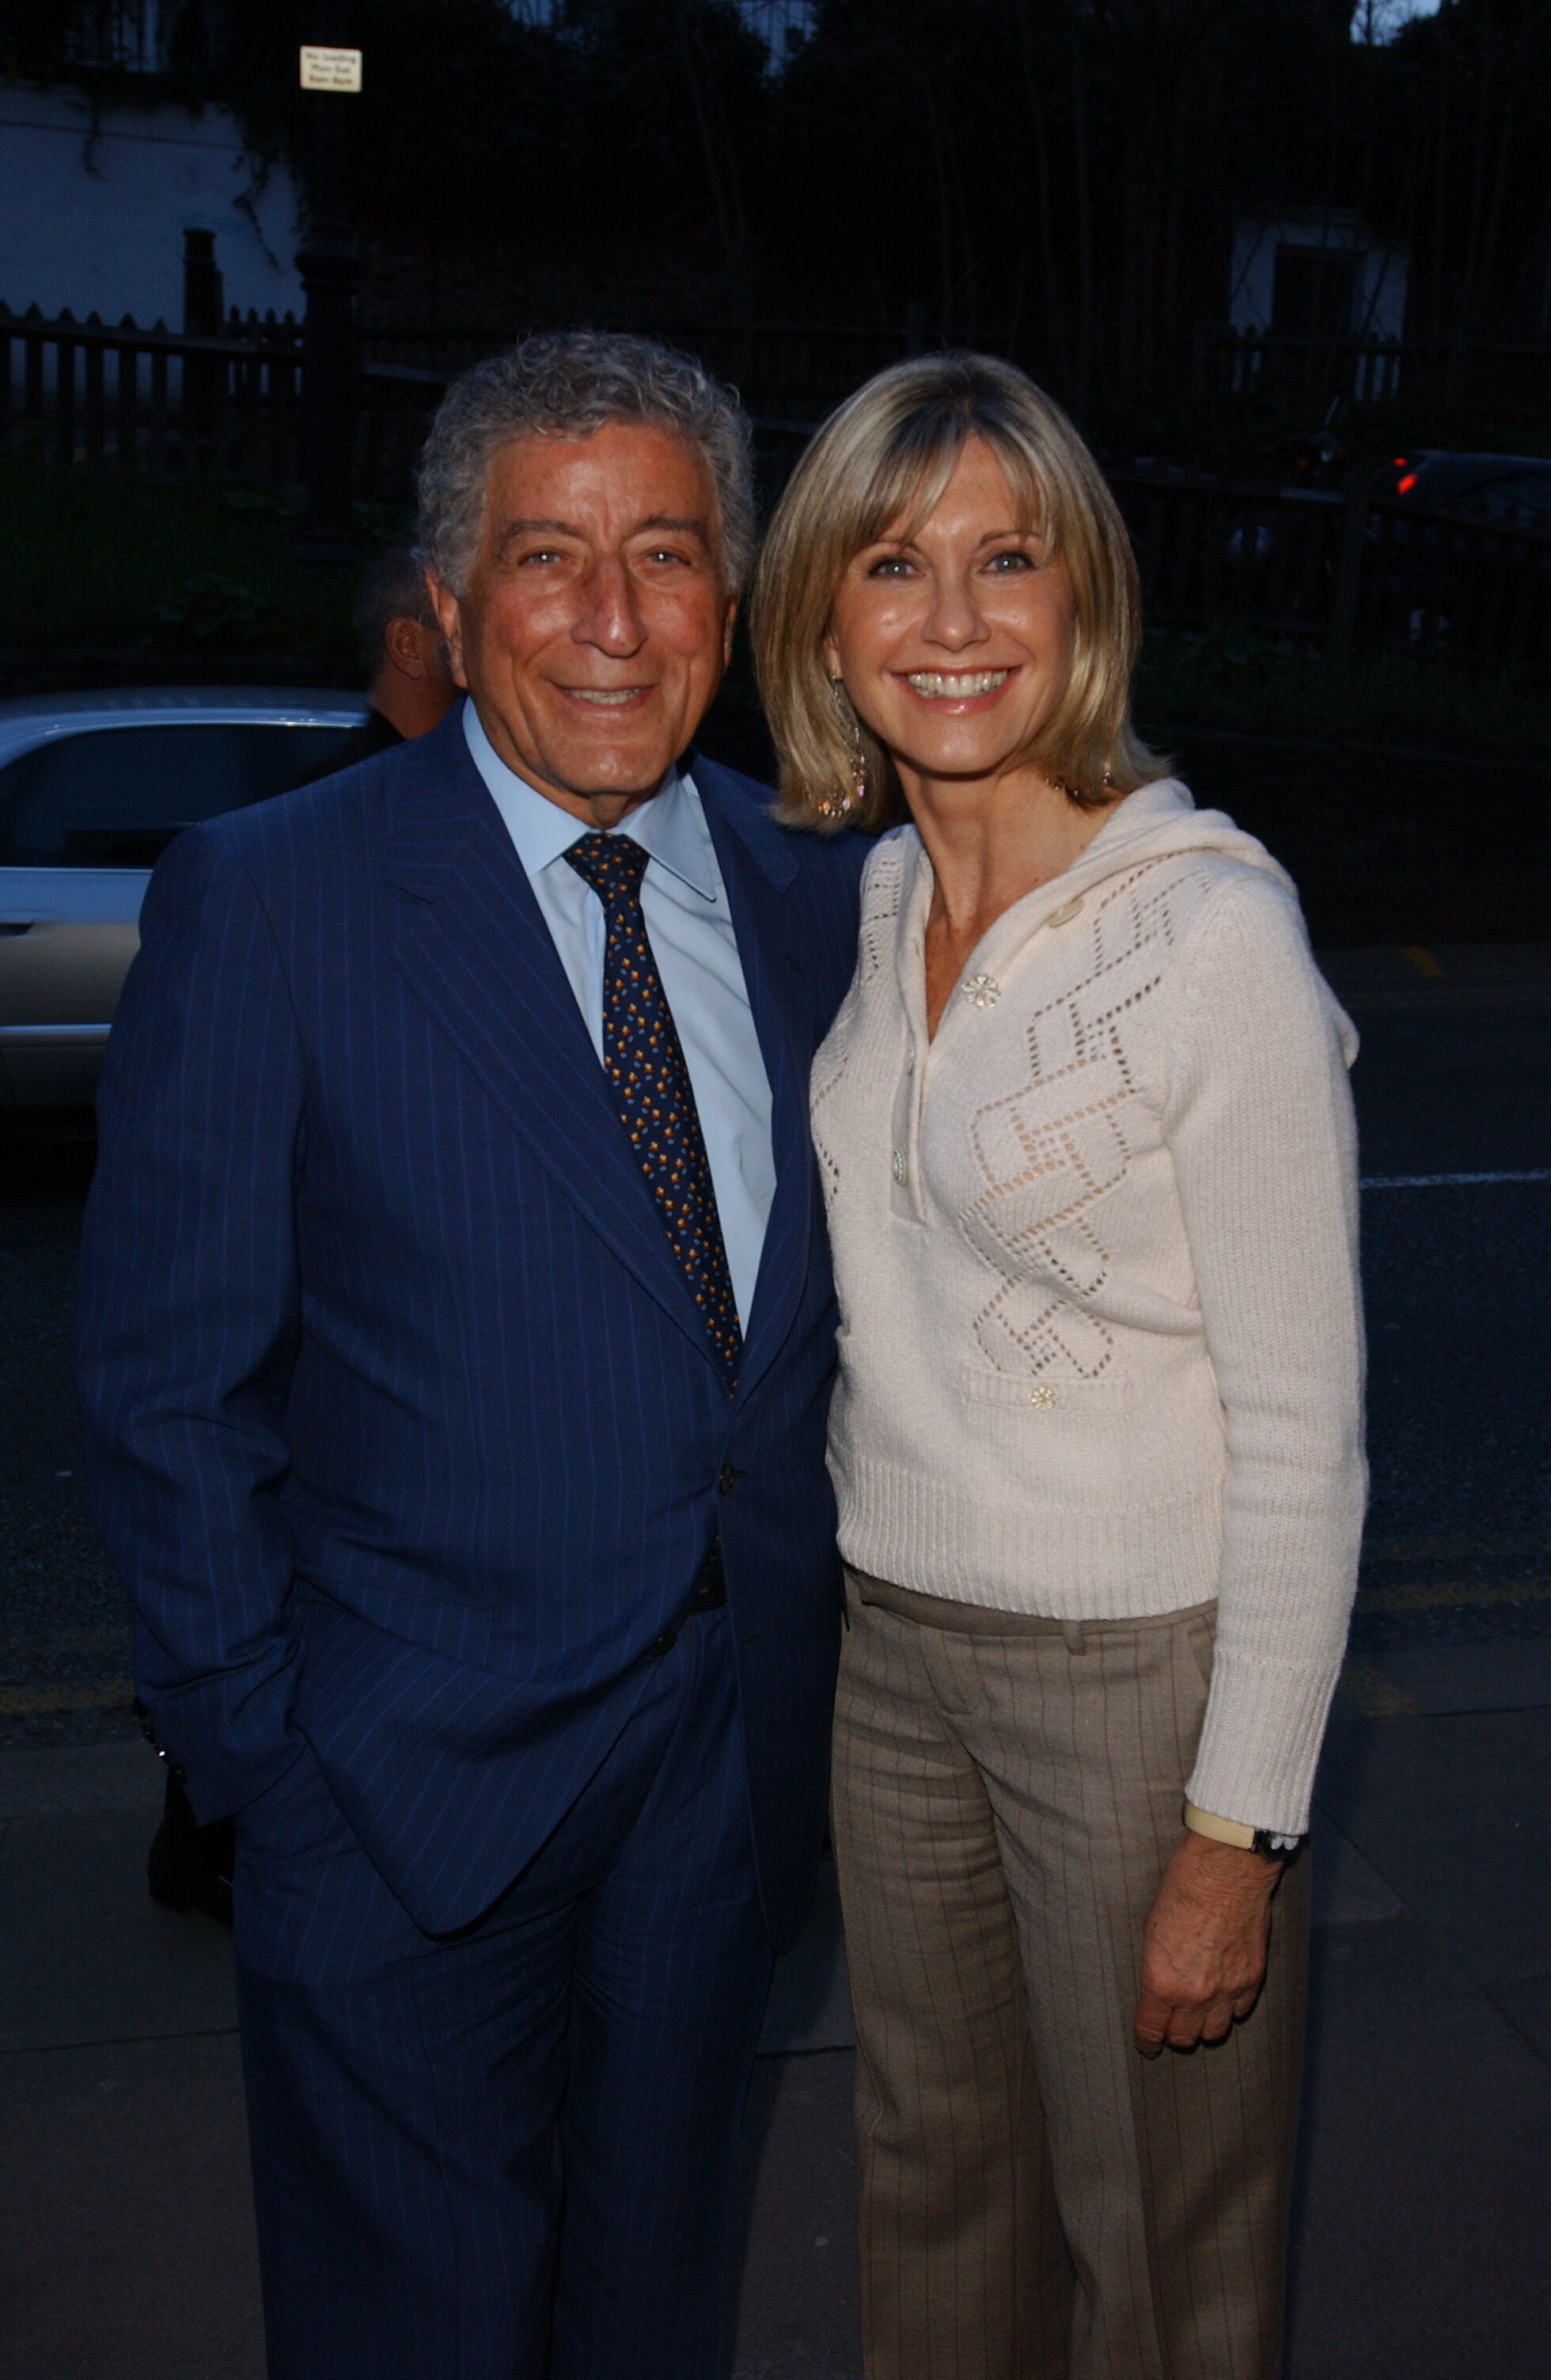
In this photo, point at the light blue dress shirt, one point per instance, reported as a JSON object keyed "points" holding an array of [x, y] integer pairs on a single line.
{"points": [[690, 928]]}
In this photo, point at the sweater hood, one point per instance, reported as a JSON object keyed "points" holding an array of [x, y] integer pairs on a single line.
{"points": [[1161, 821]]}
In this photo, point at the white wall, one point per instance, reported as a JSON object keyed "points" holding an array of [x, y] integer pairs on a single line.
{"points": [[92, 217], [1380, 307]]}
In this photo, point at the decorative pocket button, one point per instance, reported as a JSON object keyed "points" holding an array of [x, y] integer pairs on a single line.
{"points": [[1015, 1392]]}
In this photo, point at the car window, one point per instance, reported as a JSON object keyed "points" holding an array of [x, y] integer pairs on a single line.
{"points": [[1524, 502], [116, 797]]}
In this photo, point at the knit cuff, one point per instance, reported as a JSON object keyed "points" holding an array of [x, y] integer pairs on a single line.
{"points": [[1260, 1744]]}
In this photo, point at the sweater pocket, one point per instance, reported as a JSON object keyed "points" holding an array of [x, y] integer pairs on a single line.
{"points": [[1015, 1392]]}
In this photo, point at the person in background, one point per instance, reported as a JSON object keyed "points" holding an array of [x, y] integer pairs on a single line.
{"points": [[409, 681], [1088, 1154]]}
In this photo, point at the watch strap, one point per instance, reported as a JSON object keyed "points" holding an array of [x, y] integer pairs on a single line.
{"points": [[1260, 1840]]}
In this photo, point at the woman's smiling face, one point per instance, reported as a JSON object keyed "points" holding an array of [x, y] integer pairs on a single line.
{"points": [[954, 638]]}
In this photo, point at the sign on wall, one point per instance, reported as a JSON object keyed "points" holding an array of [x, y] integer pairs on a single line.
{"points": [[329, 69]]}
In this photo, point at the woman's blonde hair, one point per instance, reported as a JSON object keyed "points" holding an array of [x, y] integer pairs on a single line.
{"points": [[885, 457]]}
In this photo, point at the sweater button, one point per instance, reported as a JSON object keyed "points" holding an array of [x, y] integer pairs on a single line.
{"points": [[900, 1169], [982, 992]]}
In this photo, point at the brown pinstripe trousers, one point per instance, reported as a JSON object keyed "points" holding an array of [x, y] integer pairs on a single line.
{"points": [[1039, 2201]]}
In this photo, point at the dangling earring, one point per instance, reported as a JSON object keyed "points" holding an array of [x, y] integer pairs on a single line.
{"points": [[1075, 793], [837, 806]]}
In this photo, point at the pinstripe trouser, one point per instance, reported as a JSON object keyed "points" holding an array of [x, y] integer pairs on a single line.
{"points": [[1039, 2201], [510, 2153]]}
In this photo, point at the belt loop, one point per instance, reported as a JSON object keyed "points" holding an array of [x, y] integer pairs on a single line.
{"points": [[1072, 1637]]}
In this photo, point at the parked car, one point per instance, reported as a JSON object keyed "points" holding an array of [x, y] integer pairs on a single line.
{"points": [[92, 789], [1512, 490], [1462, 545]]}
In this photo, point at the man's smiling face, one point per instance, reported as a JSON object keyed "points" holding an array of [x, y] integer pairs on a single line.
{"points": [[596, 621]]}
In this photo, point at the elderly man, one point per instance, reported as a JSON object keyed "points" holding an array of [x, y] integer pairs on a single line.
{"points": [[456, 1340]]}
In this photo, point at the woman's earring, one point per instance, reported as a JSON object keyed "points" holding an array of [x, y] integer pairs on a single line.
{"points": [[842, 805], [1076, 794]]}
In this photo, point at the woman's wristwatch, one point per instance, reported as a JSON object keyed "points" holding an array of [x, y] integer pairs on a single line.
{"points": [[1258, 1839]]}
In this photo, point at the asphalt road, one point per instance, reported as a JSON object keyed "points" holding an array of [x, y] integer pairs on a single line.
{"points": [[1424, 2192], [1454, 1079]]}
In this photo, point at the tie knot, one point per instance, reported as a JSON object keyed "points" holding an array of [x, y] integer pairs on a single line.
{"points": [[612, 864]]}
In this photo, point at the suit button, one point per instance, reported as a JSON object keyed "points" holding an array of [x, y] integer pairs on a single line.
{"points": [[727, 1477]]}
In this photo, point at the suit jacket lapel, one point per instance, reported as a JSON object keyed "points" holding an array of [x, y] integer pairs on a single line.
{"points": [[757, 867], [476, 951]]}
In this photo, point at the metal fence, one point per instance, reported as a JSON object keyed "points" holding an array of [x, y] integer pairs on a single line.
{"points": [[786, 373], [163, 404], [1310, 372], [1340, 569], [154, 402]]}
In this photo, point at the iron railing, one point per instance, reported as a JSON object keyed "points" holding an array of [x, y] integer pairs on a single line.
{"points": [[1337, 568]]}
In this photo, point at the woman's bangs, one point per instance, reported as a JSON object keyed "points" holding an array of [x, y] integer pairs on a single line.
{"points": [[909, 477], [913, 472]]}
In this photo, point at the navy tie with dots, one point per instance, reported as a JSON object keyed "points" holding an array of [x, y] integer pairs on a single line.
{"points": [[644, 1063]]}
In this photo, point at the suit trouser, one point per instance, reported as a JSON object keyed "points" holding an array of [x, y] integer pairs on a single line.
{"points": [[1039, 2201], [510, 2152]]}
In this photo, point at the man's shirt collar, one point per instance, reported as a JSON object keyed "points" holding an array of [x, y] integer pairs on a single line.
{"points": [[670, 828]]}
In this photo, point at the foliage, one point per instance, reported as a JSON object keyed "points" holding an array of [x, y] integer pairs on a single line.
{"points": [[1230, 678], [100, 568]]}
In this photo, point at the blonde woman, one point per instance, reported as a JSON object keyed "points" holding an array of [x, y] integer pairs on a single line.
{"points": [[1086, 1142]]}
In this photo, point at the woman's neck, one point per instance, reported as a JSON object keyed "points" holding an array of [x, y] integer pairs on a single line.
{"points": [[990, 844]]}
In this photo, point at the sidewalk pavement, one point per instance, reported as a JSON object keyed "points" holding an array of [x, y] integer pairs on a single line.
{"points": [[1425, 2190]]}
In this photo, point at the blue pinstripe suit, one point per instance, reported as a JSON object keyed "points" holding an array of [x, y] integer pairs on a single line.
{"points": [[408, 1441]]}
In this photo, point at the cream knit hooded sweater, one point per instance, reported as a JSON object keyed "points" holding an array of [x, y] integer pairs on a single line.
{"points": [[1096, 1248]]}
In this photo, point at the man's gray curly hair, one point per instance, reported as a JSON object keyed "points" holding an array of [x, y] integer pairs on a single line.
{"points": [[566, 384]]}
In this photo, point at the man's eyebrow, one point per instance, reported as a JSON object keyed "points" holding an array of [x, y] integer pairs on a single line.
{"points": [[530, 526], [686, 524]]}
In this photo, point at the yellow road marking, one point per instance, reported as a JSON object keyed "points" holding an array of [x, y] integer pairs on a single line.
{"points": [[105, 1693], [1459, 1548], [1365, 1685], [1362, 1683], [1462, 1592]]}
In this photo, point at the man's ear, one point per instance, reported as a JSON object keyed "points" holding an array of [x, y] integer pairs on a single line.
{"points": [[403, 643], [449, 619], [728, 626]]}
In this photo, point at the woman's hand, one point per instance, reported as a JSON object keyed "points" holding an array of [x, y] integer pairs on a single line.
{"points": [[1204, 1948]]}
